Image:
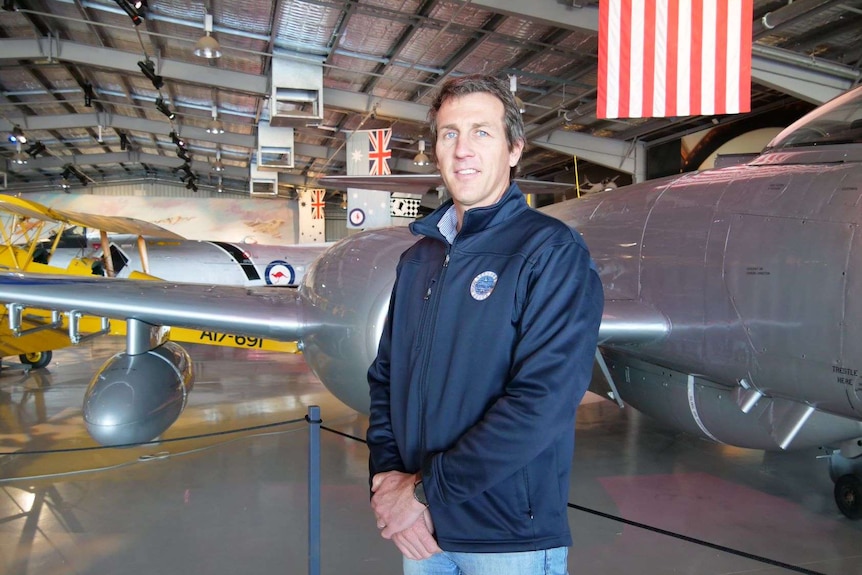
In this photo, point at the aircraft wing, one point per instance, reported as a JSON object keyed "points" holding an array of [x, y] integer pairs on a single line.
{"points": [[115, 224], [421, 183], [273, 313]]}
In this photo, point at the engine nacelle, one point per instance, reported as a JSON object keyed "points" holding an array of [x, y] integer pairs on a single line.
{"points": [[346, 293], [134, 398]]}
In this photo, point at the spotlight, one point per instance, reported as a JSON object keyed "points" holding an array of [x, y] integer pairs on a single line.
{"points": [[17, 135], [177, 140], [129, 9], [421, 159], [188, 170], [207, 46], [140, 5], [163, 108], [35, 149], [88, 95], [149, 70], [124, 141]]}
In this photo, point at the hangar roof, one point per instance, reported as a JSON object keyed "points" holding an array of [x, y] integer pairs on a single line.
{"points": [[377, 62]]}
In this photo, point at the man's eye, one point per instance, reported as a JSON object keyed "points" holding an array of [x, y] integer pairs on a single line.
{"points": [[481, 133], [449, 135]]}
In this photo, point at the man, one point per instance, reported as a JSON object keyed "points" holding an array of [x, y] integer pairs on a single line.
{"points": [[485, 355]]}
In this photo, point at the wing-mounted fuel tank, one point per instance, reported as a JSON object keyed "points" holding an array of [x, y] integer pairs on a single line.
{"points": [[137, 394], [347, 291]]}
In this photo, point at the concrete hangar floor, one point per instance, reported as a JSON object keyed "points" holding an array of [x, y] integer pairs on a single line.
{"points": [[226, 493]]}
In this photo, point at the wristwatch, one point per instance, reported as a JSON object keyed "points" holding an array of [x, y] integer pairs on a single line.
{"points": [[419, 493]]}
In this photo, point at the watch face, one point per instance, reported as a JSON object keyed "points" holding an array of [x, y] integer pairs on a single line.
{"points": [[419, 493]]}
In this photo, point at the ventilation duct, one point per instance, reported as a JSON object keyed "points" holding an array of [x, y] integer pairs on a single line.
{"points": [[297, 93], [262, 183], [274, 147]]}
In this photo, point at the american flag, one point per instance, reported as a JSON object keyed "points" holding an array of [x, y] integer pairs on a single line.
{"points": [[379, 152], [674, 58], [317, 204]]}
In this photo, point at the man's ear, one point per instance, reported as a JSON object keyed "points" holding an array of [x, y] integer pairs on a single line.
{"points": [[515, 153]]}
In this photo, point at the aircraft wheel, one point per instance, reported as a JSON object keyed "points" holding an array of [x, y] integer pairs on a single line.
{"points": [[37, 359], [848, 496]]}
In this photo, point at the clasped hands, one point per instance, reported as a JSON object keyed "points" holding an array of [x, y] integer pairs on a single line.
{"points": [[400, 517]]}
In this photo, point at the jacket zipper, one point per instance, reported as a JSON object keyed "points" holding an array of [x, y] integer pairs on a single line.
{"points": [[432, 299]]}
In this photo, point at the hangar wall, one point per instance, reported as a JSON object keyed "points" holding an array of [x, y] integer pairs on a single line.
{"points": [[263, 221]]}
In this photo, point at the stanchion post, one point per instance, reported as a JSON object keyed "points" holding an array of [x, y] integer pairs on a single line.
{"points": [[314, 422]]}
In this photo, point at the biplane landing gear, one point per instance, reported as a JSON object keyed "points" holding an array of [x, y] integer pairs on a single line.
{"points": [[37, 359]]}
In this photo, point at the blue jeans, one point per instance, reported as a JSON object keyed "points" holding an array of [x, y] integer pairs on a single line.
{"points": [[546, 562]]}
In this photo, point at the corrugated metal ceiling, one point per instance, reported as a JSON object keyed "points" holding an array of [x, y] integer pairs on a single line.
{"points": [[392, 50]]}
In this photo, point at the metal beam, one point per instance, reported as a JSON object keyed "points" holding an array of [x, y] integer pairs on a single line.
{"points": [[552, 13], [805, 77], [54, 49], [619, 155]]}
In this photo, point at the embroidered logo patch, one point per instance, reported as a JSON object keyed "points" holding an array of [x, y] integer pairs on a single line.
{"points": [[482, 286]]}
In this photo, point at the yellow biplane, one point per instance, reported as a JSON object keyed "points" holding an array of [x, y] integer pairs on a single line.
{"points": [[31, 235]]}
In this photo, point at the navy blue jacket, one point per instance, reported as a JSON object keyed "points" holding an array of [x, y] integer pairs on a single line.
{"points": [[486, 353]]}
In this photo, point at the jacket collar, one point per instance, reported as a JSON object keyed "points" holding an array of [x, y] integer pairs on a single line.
{"points": [[476, 219]]}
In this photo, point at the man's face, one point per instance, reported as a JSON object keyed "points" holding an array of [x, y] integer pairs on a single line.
{"points": [[472, 152]]}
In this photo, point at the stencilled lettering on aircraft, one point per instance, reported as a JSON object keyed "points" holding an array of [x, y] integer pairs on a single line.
{"points": [[239, 340], [757, 271], [845, 375]]}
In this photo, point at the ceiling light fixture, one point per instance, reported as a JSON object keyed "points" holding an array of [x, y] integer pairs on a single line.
{"points": [[130, 9], [207, 46], [220, 188], [215, 126], [17, 135], [163, 108], [218, 166], [149, 70], [19, 157], [513, 86], [421, 159]]}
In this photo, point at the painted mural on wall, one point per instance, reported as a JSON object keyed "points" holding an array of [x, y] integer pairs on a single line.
{"points": [[228, 219]]}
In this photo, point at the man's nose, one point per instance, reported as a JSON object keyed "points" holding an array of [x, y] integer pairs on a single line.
{"points": [[463, 147]]}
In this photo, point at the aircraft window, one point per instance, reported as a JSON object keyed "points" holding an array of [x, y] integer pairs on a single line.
{"points": [[838, 122]]}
